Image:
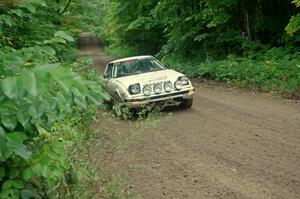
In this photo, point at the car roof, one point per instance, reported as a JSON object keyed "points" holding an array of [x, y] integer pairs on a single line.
{"points": [[131, 58]]}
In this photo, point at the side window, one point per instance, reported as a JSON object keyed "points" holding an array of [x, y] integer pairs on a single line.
{"points": [[109, 70]]}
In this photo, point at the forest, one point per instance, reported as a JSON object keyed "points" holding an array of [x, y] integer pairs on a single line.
{"points": [[48, 96], [247, 43]]}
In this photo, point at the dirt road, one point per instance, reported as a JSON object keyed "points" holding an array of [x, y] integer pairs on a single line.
{"points": [[231, 144]]}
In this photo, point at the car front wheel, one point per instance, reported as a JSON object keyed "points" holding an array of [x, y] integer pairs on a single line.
{"points": [[186, 103], [120, 108]]}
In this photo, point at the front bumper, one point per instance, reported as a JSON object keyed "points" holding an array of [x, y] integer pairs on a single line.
{"points": [[173, 96]]}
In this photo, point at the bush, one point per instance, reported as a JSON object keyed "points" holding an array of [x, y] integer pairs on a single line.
{"points": [[43, 95], [274, 70]]}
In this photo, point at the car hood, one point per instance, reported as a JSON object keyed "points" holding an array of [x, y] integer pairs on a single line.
{"points": [[150, 77]]}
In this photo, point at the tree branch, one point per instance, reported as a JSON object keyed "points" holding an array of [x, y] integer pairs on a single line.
{"points": [[66, 7]]}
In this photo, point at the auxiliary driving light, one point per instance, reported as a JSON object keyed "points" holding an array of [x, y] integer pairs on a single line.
{"points": [[147, 90], [157, 88], [168, 86], [178, 84]]}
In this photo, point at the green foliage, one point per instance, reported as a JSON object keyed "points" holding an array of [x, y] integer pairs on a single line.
{"points": [[115, 189], [40, 90], [294, 24], [296, 2], [275, 70], [210, 29]]}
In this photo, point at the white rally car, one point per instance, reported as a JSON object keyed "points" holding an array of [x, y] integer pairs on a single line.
{"points": [[137, 81]]}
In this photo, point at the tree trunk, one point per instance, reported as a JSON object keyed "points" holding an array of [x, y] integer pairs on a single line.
{"points": [[245, 24]]}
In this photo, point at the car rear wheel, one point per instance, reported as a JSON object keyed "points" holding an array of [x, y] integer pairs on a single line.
{"points": [[186, 103]]}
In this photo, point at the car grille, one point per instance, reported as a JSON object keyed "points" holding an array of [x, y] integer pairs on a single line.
{"points": [[158, 96]]}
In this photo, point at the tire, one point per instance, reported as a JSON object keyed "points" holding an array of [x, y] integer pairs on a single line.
{"points": [[120, 109], [186, 103]]}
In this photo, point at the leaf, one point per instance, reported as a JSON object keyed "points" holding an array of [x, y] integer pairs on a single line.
{"points": [[9, 86], [64, 35], [201, 37], [294, 25], [28, 5], [49, 50], [22, 151], [34, 112], [6, 19], [29, 83], [63, 103], [47, 41], [81, 102], [8, 107], [47, 68], [13, 173], [27, 174], [2, 172], [39, 2], [9, 122], [10, 193], [2, 144], [29, 194], [13, 183], [296, 2], [2, 132], [58, 40], [16, 137], [58, 147], [23, 117], [64, 78], [45, 171], [15, 142], [220, 19], [52, 103], [17, 12]]}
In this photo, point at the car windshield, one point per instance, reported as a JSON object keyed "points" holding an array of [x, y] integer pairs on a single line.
{"points": [[137, 66]]}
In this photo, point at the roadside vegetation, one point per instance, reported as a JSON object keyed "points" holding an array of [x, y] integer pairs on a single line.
{"points": [[248, 43], [47, 99]]}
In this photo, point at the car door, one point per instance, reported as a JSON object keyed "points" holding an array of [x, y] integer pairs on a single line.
{"points": [[108, 78]]}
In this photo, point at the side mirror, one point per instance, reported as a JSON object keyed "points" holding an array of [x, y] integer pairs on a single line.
{"points": [[105, 76]]}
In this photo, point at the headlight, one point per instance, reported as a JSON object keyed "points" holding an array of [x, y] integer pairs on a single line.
{"points": [[184, 80], [168, 86], [147, 90], [181, 81], [178, 84], [157, 88], [134, 89]]}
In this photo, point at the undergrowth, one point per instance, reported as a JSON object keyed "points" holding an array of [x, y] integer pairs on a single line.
{"points": [[272, 71]]}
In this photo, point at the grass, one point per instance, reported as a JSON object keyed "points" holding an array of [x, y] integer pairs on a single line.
{"points": [[117, 188]]}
